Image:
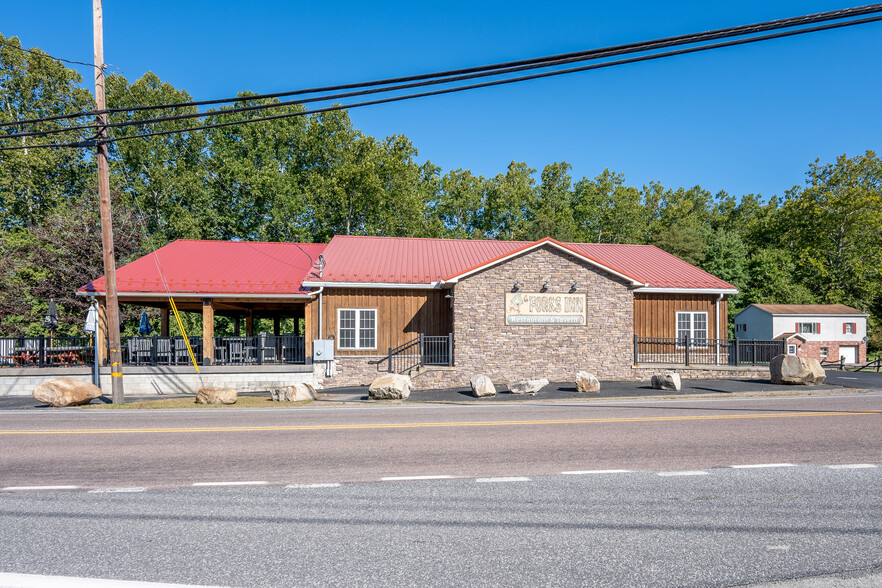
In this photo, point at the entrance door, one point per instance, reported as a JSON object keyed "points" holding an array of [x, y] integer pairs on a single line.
{"points": [[849, 352]]}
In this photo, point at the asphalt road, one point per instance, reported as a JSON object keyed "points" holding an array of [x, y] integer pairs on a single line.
{"points": [[314, 496], [720, 527]]}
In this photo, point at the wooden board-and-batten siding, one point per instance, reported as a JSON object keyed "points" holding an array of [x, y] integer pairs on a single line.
{"points": [[401, 315], [655, 315]]}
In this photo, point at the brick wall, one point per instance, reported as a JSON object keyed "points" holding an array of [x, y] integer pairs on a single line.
{"points": [[812, 349]]}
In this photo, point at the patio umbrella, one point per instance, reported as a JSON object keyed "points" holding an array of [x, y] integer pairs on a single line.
{"points": [[50, 321], [144, 327]]}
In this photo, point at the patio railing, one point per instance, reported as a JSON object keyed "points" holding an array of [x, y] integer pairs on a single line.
{"points": [[424, 350], [691, 351], [46, 351]]}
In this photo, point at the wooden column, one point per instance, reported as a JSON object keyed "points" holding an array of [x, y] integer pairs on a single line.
{"points": [[207, 331], [236, 328], [249, 324], [102, 331], [163, 322], [277, 326]]}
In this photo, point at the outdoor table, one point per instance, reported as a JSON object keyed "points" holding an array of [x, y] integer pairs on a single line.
{"points": [[67, 355], [25, 355]]}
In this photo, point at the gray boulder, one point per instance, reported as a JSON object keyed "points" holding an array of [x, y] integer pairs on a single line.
{"points": [[790, 369], [528, 386], [217, 396], [586, 382], [295, 393], [66, 392], [482, 386], [390, 387], [666, 381]]}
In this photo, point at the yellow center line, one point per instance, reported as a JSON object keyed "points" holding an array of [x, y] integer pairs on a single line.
{"points": [[438, 424]]}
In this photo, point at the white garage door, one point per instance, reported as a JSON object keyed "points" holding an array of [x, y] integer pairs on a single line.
{"points": [[849, 352]]}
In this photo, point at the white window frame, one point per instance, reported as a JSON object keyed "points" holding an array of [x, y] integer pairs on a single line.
{"points": [[692, 329], [791, 349], [824, 351], [359, 313], [812, 330], [850, 328]]}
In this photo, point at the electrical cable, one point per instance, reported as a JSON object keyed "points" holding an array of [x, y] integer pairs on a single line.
{"points": [[548, 60], [44, 54], [457, 89]]}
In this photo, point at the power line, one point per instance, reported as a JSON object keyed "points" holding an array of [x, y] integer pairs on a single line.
{"points": [[44, 54], [537, 62], [731, 43]]}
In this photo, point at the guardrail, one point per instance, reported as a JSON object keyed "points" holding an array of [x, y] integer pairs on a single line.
{"points": [[693, 351], [424, 350]]}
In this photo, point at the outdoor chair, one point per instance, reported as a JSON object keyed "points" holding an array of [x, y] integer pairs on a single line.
{"points": [[139, 350], [236, 351]]}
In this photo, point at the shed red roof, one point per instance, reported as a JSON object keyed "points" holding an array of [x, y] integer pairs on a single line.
{"points": [[391, 260], [217, 267]]}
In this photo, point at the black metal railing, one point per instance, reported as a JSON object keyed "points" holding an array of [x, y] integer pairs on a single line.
{"points": [[157, 350], [260, 349], [46, 351], [692, 351], [424, 350]]}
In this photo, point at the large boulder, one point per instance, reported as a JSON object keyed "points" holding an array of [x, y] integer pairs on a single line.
{"points": [[790, 369], [216, 396], [390, 387], [297, 392], [667, 381], [586, 382], [482, 386], [66, 392], [528, 386]]}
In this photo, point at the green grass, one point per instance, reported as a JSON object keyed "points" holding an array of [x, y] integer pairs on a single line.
{"points": [[190, 402]]}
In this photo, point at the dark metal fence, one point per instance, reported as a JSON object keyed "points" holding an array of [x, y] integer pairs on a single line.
{"points": [[689, 351], [260, 349], [435, 350], [46, 351], [158, 350]]}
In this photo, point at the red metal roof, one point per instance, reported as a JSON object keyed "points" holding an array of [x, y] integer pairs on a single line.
{"points": [[217, 267], [381, 260]]}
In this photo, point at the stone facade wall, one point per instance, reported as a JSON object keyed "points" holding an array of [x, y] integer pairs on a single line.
{"points": [[483, 343]]}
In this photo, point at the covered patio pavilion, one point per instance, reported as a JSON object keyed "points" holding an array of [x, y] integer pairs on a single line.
{"points": [[244, 281]]}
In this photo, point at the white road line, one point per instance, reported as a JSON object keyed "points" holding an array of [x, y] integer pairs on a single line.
{"points": [[113, 490], [763, 465], [325, 485], [26, 488], [493, 480], [852, 466], [843, 378], [230, 483], [584, 472], [36, 581], [684, 473], [405, 478], [777, 548]]}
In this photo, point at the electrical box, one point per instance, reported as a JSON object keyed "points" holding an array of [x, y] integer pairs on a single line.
{"points": [[323, 350]]}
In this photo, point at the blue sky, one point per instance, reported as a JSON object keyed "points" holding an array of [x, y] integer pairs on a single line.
{"points": [[747, 120]]}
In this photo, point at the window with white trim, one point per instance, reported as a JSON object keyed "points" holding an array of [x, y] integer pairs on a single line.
{"points": [[693, 324], [824, 352], [791, 349], [808, 328], [356, 328], [850, 328]]}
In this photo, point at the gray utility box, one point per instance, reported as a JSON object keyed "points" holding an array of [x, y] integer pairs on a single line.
{"points": [[323, 350]]}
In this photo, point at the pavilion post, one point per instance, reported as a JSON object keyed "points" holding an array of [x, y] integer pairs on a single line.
{"points": [[277, 326], [207, 331], [249, 324], [163, 322]]}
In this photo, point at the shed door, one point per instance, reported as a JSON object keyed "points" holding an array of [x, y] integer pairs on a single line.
{"points": [[849, 352]]}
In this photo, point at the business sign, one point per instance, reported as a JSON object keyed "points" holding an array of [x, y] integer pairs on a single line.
{"points": [[530, 308]]}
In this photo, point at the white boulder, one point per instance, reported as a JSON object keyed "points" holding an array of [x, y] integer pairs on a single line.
{"points": [[66, 392], [390, 387], [216, 396], [666, 381], [791, 369], [482, 386], [528, 386], [587, 382]]}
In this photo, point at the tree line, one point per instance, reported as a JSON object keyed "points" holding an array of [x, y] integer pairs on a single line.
{"points": [[307, 178]]}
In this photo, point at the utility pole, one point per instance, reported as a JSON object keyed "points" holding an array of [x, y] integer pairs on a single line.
{"points": [[116, 381]]}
